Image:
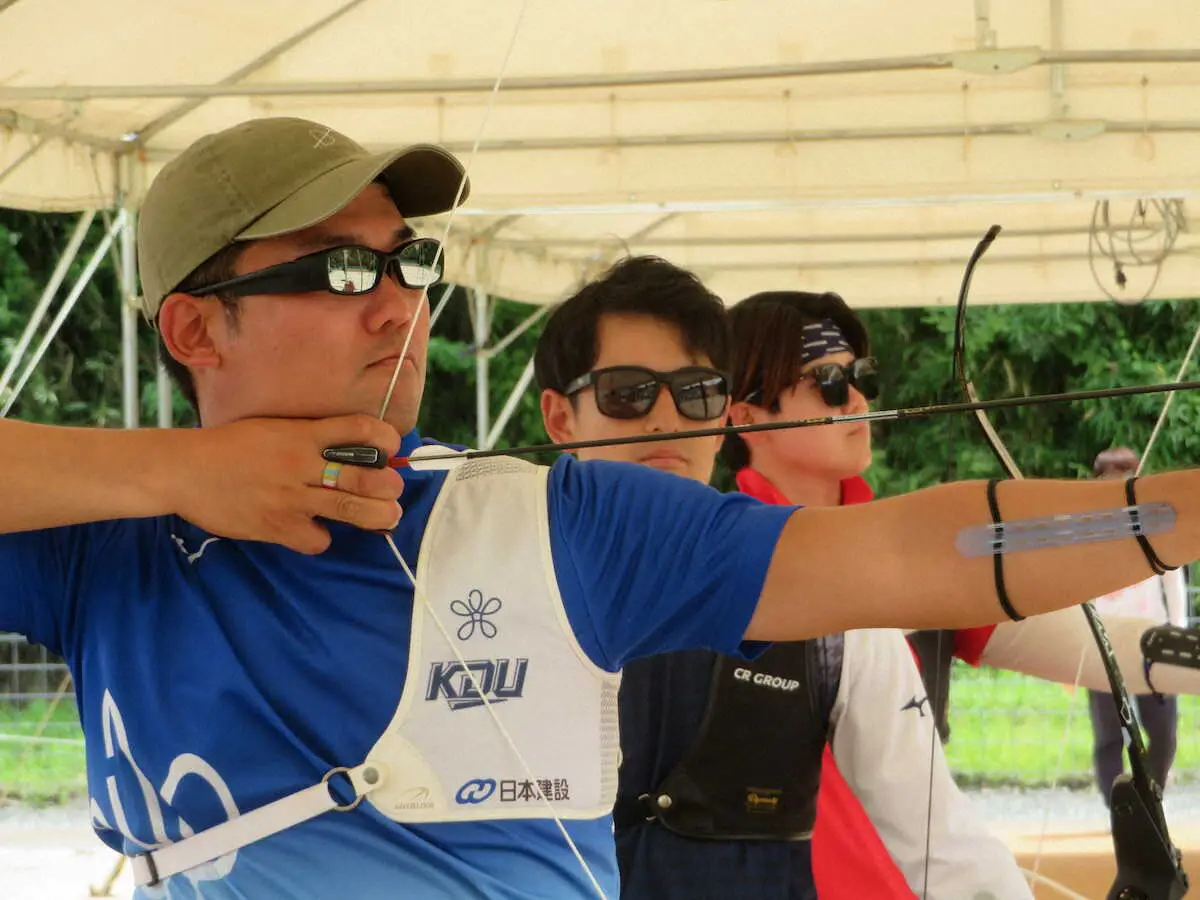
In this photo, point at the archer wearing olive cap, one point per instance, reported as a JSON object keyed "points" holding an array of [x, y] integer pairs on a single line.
{"points": [[268, 177]]}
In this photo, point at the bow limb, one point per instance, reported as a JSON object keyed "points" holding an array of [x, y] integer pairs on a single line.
{"points": [[1149, 866]]}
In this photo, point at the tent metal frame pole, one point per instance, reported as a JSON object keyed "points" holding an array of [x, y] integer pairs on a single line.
{"points": [[20, 160], [510, 405], [81, 283], [130, 406], [166, 411], [482, 322], [776, 204], [1020, 259], [235, 86], [501, 345], [1020, 129], [46, 130], [70, 252], [440, 308], [806, 240], [229, 82]]}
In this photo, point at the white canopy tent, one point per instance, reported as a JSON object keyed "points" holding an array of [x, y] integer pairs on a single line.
{"points": [[855, 145]]}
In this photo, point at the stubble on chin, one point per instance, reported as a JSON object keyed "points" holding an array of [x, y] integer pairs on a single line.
{"points": [[402, 411]]}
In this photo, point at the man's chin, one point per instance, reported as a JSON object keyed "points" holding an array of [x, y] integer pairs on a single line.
{"points": [[403, 405], [675, 466], [402, 417]]}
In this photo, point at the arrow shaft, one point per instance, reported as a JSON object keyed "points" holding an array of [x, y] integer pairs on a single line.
{"points": [[883, 415]]}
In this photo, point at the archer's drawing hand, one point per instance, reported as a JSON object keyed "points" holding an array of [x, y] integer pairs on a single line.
{"points": [[265, 480]]}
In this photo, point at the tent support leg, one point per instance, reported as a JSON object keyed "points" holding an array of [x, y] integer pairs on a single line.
{"points": [[482, 321], [510, 405], [129, 322]]}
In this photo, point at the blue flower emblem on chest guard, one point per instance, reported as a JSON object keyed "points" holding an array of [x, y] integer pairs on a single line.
{"points": [[476, 611]]}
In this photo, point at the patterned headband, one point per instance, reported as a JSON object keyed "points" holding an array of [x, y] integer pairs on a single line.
{"points": [[819, 339], [823, 339]]}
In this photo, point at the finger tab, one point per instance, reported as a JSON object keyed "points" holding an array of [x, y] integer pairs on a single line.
{"points": [[363, 455]]}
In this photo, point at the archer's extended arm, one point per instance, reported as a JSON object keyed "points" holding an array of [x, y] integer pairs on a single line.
{"points": [[897, 562], [257, 479], [1060, 647]]}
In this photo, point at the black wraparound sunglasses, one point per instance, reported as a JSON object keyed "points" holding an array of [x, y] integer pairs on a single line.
{"points": [[834, 381], [630, 392], [418, 263]]}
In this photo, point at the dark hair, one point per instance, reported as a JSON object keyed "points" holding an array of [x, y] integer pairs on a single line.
{"points": [[1115, 459], [639, 285], [221, 266], [768, 348]]}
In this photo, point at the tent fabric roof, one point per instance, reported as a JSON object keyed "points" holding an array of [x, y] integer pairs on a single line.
{"points": [[855, 146]]}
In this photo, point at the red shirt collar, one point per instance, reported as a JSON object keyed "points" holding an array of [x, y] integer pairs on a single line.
{"points": [[756, 485]]}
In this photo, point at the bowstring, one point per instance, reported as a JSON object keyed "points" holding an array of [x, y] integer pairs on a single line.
{"points": [[462, 186], [1162, 416], [937, 675], [1059, 766], [418, 594]]}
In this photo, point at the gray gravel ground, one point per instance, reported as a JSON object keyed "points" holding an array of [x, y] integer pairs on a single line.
{"points": [[1079, 809], [52, 854]]}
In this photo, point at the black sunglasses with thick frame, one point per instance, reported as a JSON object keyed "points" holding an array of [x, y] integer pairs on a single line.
{"points": [[350, 270], [834, 381], [700, 393]]}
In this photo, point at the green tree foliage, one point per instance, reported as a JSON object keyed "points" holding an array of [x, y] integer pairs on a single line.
{"points": [[1037, 349], [448, 410], [78, 381], [1012, 350]]}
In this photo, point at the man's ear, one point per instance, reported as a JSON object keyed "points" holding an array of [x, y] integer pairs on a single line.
{"points": [[558, 415], [742, 413], [189, 326]]}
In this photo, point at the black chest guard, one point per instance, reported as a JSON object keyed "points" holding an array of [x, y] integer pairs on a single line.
{"points": [[753, 771]]}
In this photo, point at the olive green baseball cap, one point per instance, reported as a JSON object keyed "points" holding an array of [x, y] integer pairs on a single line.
{"points": [[268, 177]]}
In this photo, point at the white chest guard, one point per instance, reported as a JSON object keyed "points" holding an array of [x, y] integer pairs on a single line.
{"points": [[486, 570]]}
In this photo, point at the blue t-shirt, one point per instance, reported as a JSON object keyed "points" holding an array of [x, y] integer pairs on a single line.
{"points": [[216, 676]]}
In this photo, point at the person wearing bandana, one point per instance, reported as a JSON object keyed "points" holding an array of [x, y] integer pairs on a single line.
{"points": [[799, 355], [722, 756]]}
